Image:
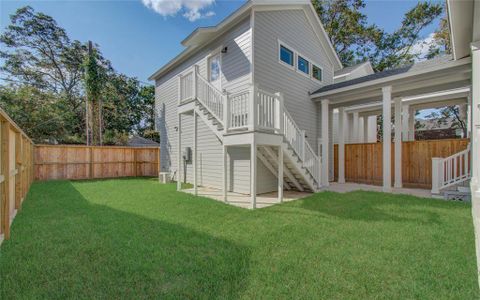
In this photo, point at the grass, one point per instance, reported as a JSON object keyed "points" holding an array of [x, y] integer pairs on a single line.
{"points": [[135, 238]]}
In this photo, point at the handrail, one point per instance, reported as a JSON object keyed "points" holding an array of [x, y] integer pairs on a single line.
{"points": [[210, 97], [450, 170]]}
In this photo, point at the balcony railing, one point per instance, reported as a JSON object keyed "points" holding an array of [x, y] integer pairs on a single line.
{"points": [[251, 109]]}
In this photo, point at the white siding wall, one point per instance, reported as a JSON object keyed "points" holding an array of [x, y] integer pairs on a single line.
{"points": [[292, 28], [236, 66]]}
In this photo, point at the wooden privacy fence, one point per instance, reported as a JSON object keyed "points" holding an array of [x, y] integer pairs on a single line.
{"points": [[16, 171], [84, 162], [364, 162]]}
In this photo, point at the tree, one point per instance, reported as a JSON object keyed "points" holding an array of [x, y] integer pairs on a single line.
{"points": [[394, 50], [450, 115], [348, 29], [43, 63], [355, 40]]}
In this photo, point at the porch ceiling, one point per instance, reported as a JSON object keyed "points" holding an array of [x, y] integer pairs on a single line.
{"points": [[446, 76]]}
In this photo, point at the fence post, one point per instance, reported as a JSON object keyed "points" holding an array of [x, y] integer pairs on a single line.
{"points": [[5, 145], [437, 174], [18, 172], [91, 161]]}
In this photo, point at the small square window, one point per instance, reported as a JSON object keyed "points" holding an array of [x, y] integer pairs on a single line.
{"points": [[303, 65], [316, 73], [286, 55]]}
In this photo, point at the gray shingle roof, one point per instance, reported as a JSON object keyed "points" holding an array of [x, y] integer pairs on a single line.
{"points": [[138, 141], [347, 70], [408, 68]]}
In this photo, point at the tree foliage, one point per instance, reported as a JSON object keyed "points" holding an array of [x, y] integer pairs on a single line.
{"points": [[50, 77], [355, 40]]}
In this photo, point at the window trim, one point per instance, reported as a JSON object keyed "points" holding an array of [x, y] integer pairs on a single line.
{"points": [[280, 45], [321, 72], [299, 55], [294, 67]]}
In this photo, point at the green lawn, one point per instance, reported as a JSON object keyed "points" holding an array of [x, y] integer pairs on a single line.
{"points": [[135, 238]]}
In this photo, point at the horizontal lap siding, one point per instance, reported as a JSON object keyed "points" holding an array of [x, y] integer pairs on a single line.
{"points": [[292, 28], [236, 75]]}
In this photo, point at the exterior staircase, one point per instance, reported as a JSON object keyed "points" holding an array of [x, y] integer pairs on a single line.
{"points": [[451, 176], [254, 110]]}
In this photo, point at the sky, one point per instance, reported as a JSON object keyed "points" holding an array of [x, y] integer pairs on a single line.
{"points": [[139, 36]]}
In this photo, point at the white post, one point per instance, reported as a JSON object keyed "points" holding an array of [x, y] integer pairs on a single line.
{"points": [[195, 129], [280, 173], [411, 124], [405, 122], [179, 158], [355, 128], [253, 174], [341, 144], [398, 143], [387, 138], [362, 123], [252, 114], [475, 144], [325, 146], [280, 112], [437, 174], [226, 114], [194, 83], [225, 172], [303, 146]]}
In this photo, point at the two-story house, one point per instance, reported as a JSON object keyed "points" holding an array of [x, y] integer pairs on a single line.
{"points": [[234, 111]]}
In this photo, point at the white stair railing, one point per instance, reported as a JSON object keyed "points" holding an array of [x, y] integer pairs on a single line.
{"points": [[451, 170], [211, 98]]}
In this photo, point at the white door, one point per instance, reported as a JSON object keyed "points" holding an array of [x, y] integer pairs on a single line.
{"points": [[215, 70]]}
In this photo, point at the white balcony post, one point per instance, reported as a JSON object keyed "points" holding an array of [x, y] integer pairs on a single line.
{"points": [[387, 138], [226, 114], [280, 174], [398, 143], [252, 115], [253, 174], [437, 174], [475, 117], [194, 83], [195, 132], [280, 112], [325, 145], [303, 146], [225, 172], [179, 153], [341, 144]]}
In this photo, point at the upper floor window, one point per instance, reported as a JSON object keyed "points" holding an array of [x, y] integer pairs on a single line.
{"points": [[303, 65], [286, 55], [316, 72]]}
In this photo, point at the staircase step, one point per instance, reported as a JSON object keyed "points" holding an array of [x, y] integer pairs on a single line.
{"points": [[456, 195]]}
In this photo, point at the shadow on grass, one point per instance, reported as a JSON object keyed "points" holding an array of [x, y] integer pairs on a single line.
{"points": [[63, 246], [377, 207]]}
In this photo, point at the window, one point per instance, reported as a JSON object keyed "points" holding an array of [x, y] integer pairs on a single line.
{"points": [[303, 65], [286, 55], [316, 73]]}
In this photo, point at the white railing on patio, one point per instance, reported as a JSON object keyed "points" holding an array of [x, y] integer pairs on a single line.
{"points": [[253, 109], [450, 170]]}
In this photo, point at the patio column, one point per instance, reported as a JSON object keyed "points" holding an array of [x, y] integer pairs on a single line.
{"points": [[341, 144], [253, 174], [398, 143], [405, 120], [355, 128], [179, 153], [325, 144], [195, 132], [280, 174], [475, 145], [387, 138], [411, 123]]}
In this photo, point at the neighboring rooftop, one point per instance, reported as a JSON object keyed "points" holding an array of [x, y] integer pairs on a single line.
{"points": [[138, 141], [348, 70], [408, 68]]}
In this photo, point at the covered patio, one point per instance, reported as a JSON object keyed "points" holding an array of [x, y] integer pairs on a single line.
{"points": [[396, 93]]}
